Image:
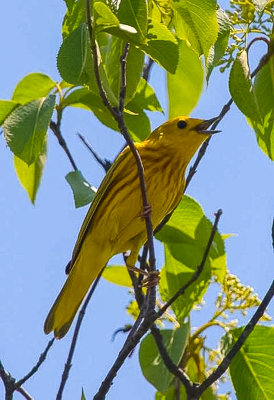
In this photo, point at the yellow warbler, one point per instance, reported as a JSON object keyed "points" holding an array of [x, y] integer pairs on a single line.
{"points": [[113, 223]]}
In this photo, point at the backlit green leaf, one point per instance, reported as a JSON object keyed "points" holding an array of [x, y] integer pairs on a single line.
{"points": [[33, 87], [217, 51], [6, 107], [117, 274], [186, 235], [145, 98], [151, 361], [162, 46], [185, 86], [199, 25], [83, 192], [134, 13], [74, 17], [253, 365], [240, 87], [26, 127], [30, 175]]}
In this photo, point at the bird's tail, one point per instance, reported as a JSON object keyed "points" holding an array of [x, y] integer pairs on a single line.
{"points": [[81, 276]]}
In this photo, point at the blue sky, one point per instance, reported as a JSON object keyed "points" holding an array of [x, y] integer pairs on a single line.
{"points": [[36, 242]]}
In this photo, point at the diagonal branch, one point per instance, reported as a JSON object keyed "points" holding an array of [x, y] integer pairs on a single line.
{"points": [[197, 273], [55, 127], [106, 164], [12, 385]]}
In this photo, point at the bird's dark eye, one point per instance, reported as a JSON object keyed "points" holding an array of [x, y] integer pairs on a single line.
{"points": [[181, 124]]}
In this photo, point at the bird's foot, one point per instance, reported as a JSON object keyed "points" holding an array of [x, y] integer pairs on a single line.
{"points": [[147, 211], [152, 279]]}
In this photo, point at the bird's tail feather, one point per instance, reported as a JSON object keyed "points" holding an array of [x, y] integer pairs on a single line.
{"points": [[81, 276]]}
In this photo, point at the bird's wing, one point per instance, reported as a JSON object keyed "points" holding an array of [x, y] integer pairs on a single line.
{"points": [[109, 178]]}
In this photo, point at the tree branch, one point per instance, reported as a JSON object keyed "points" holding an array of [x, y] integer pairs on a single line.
{"points": [[10, 383], [106, 164], [55, 127]]}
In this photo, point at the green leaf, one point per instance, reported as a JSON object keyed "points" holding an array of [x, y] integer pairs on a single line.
{"points": [[253, 365], [240, 87], [117, 274], [134, 66], [264, 95], [137, 123], [74, 60], [199, 25], [134, 13], [189, 225], [103, 16], [151, 361], [162, 46], [33, 87], [145, 98], [255, 101], [26, 127], [186, 236], [30, 175], [6, 107], [83, 192], [217, 51], [74, 17], [185, 86]]}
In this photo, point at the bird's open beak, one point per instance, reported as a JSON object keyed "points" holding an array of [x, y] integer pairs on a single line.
{"points": [[203, 126]]}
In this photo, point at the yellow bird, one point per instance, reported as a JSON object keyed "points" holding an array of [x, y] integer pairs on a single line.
{"points": [[113, 223]]}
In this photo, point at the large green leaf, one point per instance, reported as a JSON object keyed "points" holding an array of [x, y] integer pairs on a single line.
{"points": [[185, 86], [6, 107], [255, 100], [217, 51], [83, 192], [103, 16], [199, 25], [26, 127], [74, 60], [151, 361], [74, 17], [186, 236], [33, 87], [30, 175], [241, 89], [134, 66], [134, 13], [117, 274], [162, 46], [137, 122], [145, 98], [252, 367]]}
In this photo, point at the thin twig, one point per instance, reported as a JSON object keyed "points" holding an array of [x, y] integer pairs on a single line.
{"points": [[10, 383], [24, 393], [173, 368], [106, 164], [55, 127], [42, 358], [68, 363], [239, 343]]}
